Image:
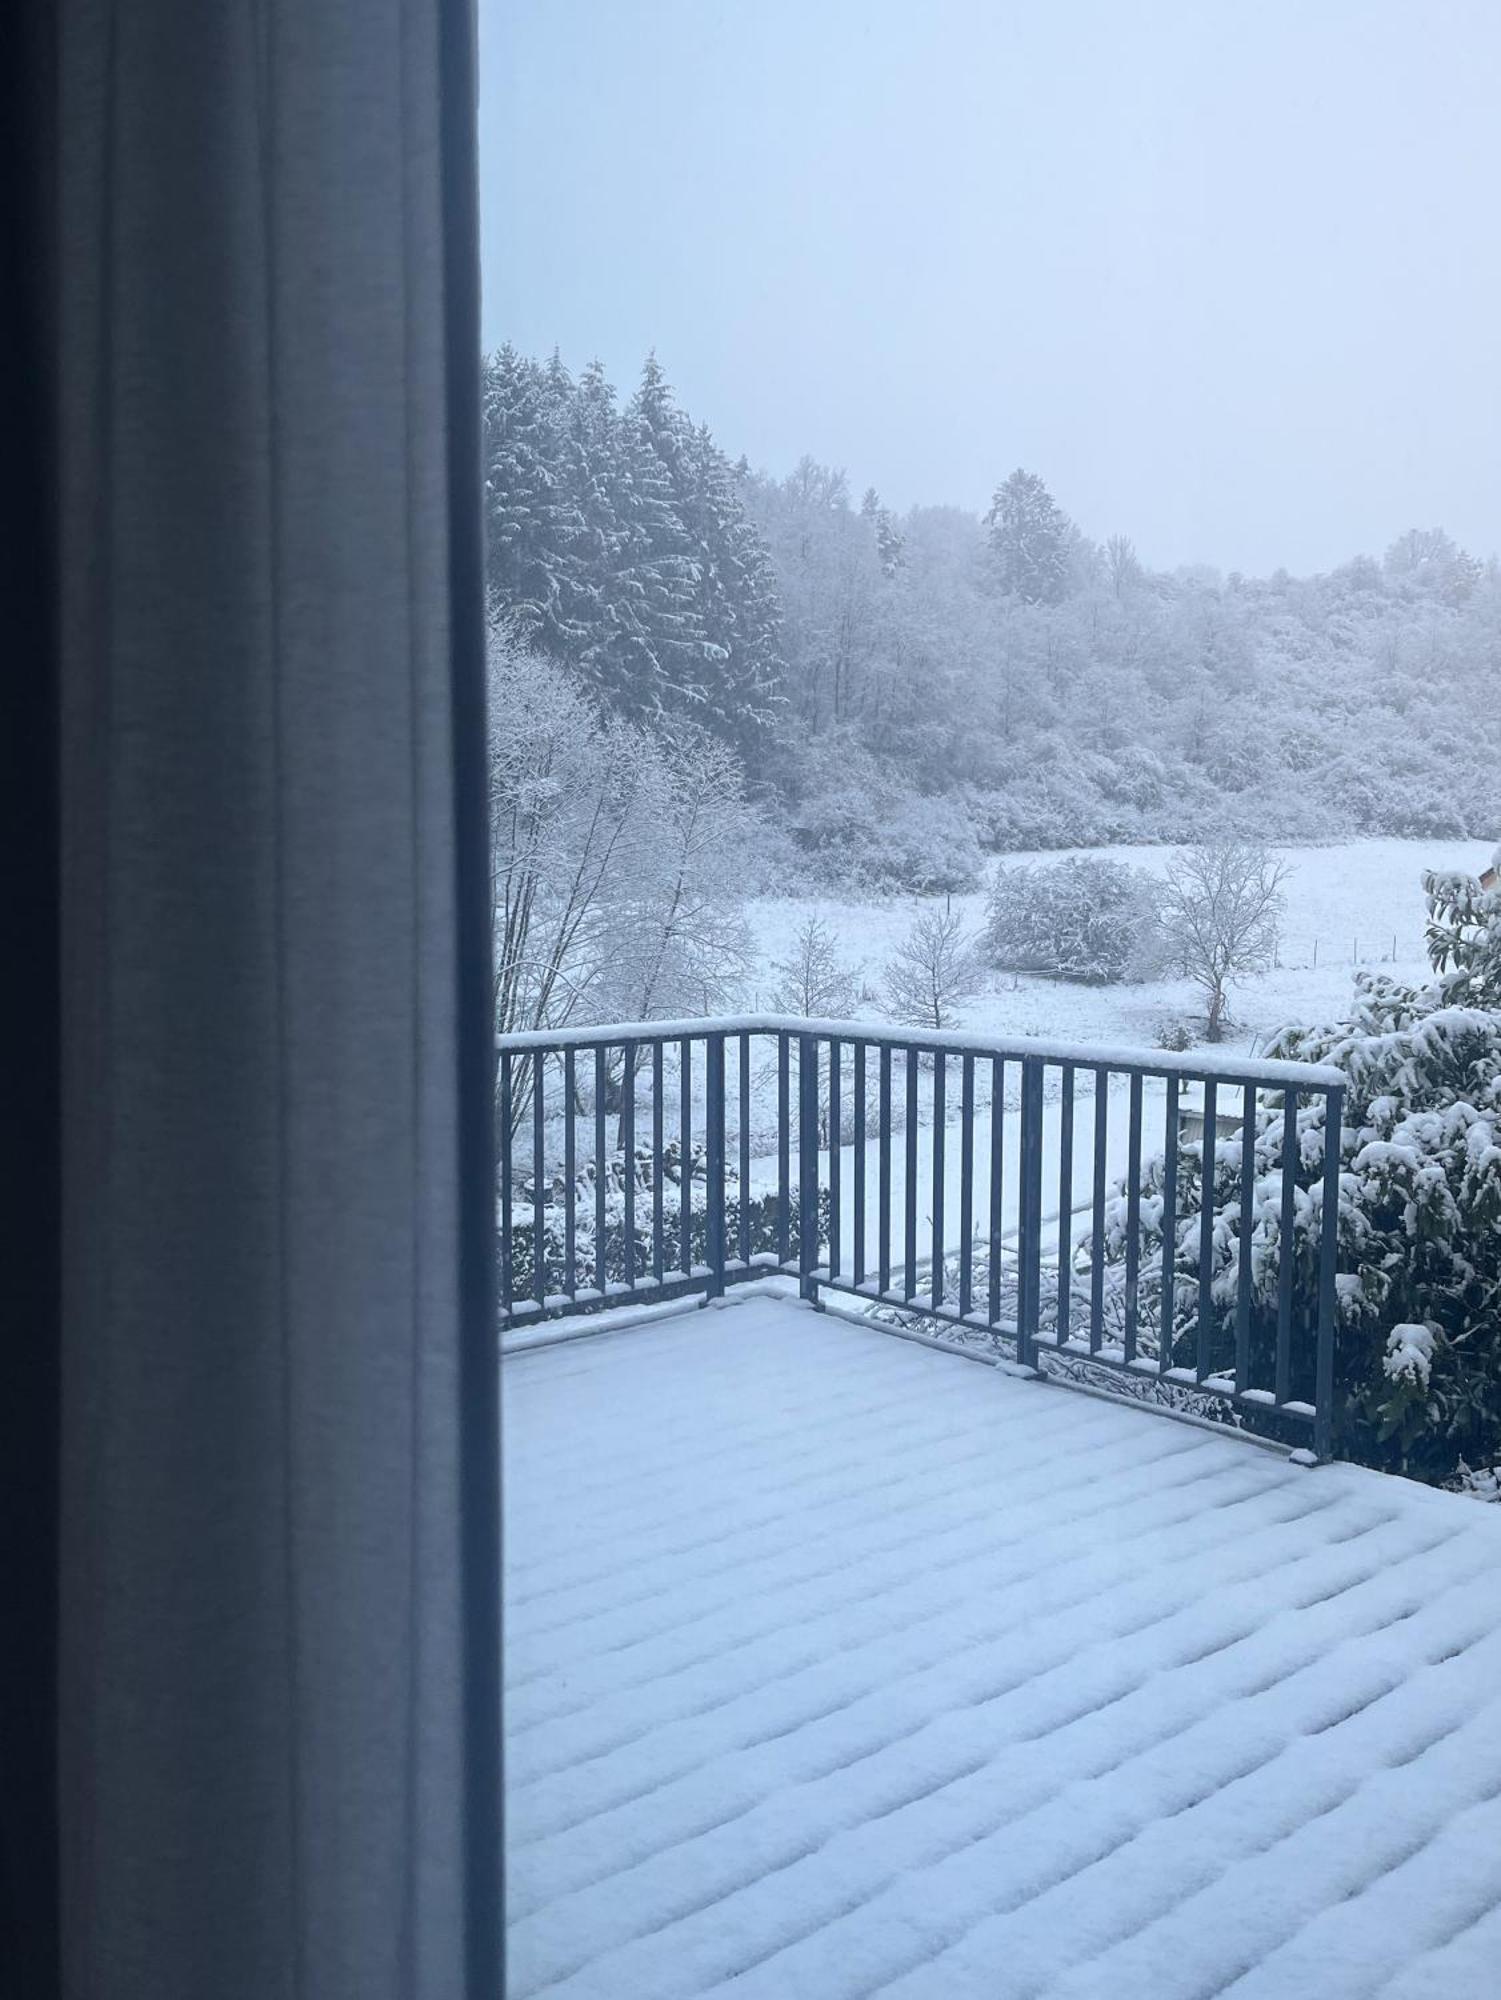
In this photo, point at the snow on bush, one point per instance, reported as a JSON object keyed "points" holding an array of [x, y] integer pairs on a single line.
{"points": [[1409, 1355], [856, 830], [1418, 1352], [1096, 921]]}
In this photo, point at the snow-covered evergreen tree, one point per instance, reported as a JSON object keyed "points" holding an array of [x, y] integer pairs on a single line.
{"points": [[527, 516], [619, 543], [890, 547], [1030, 540]]}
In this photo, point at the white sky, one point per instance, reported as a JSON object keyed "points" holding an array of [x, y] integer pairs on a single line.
{"points": [[1224, 272]]}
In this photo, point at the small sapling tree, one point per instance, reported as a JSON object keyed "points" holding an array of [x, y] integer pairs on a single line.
{"points": [[1221, 911]]}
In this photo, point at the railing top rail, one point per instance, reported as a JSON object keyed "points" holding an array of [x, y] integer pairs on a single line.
{"points": [[1123, 1060]]}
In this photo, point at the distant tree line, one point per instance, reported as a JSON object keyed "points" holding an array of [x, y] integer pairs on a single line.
{"points": [[911, 693]]}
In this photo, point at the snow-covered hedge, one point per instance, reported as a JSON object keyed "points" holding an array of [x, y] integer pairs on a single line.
{"points": [[762, 1211]]}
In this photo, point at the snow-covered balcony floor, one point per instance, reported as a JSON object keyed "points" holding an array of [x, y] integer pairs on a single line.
{"points": [[839, 1666]]}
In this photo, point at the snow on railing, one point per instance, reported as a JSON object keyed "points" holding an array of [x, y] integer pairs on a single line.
{"points": [[1121, 1058], [641, 1160]]}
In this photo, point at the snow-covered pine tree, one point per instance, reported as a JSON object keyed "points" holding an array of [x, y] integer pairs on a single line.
{"points": [[620, 544], [526, 512], [657, 655], [737, 597], [1031, 540], [890, 547]]}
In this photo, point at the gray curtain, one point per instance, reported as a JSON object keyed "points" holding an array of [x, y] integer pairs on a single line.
{"points": [[278, 1525]]}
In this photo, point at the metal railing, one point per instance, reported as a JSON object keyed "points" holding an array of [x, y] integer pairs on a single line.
{"points": [[1051, 1196]]}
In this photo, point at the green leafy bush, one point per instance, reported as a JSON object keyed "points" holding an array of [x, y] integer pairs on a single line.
{"points": [[1418, 1353]]}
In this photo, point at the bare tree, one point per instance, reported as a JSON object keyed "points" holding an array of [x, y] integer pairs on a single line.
{"points": [[814, 981], [1221, 912], [569, 830], [619, 864], [933, 972], [686, 948]]}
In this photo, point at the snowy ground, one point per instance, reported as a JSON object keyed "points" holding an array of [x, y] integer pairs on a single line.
{"points": [[839, 1667], [1357, 898]]}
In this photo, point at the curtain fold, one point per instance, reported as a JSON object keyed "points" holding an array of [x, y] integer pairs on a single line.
{"points": [[279, 1573]]}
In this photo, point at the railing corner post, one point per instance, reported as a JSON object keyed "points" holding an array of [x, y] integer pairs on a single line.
{"points": [[714, 1170], [1323, 1399]]}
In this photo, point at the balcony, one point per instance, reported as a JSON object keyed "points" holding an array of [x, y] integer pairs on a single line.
{"points": [[1051, 1204], [839, 1666]]}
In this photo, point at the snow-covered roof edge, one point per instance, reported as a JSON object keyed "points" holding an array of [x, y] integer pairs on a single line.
{"points": [[1087, 1055]]}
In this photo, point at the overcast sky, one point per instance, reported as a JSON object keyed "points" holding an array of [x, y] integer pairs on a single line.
{"points": [[1225, 272]]}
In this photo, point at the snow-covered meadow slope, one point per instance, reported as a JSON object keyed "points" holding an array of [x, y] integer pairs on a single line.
{"points": [[1359, 898]]}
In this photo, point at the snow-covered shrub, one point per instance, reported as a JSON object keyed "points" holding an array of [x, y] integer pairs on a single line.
{"points": [[858, 832], [1091, 920], [762, 1218], [1176, 1036], [1418, 1353]]}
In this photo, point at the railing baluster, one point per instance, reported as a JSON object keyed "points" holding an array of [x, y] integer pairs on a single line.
{"points": [[784, 1148], [966, 1184], [599, 1171], [658, 1163], [1029, 1205], [685, 1154], [1169, 1226], [1133, 1221], [884, 1218], [539, 1197], [1065, 1202], [940, 1135], [997, 1183], [745, 1153], [807, 1164], [1097, 1255], [507, 1257], [859, 1203], [909, 1191], [1285, 1257], [714, 1163], [835, 1162], [1245, 1240], [628, 1158], [1323, 1395], [570, 1177], [1204, 1310]]}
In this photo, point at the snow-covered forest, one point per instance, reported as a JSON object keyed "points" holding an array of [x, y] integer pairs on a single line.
{"points": [[904, 695]]}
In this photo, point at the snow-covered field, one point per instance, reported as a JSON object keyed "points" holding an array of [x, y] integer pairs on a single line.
{"points": [[1359, 897], [840, 1667]]}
